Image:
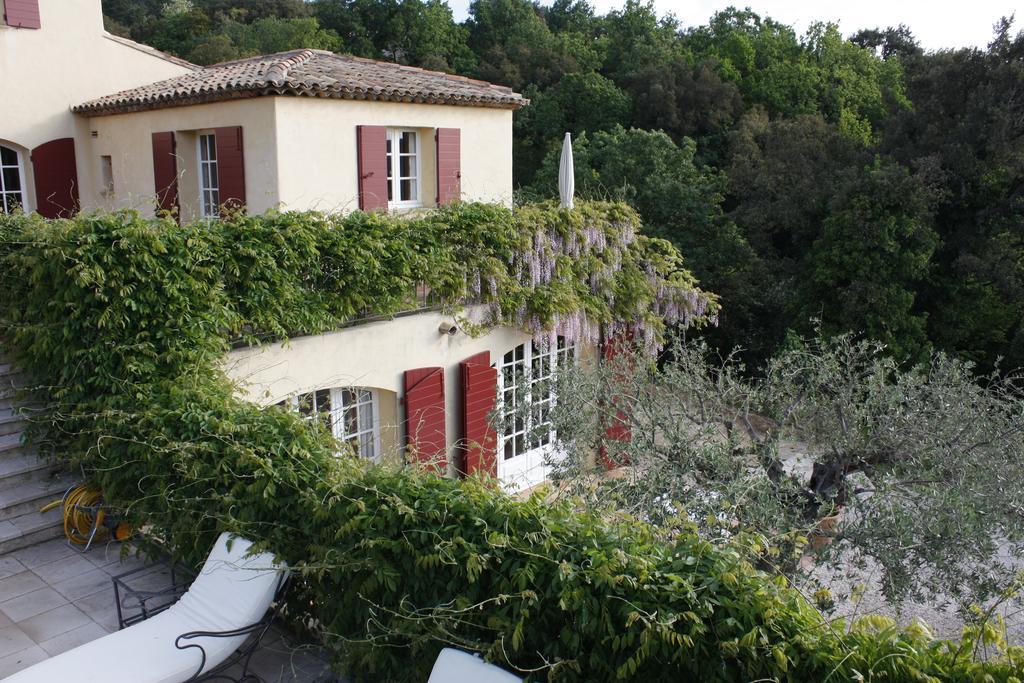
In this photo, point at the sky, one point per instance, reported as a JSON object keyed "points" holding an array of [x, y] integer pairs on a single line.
{"points": [[935, 23]]}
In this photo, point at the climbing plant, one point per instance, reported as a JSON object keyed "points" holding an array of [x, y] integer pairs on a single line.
{"points": [[124, 321]]}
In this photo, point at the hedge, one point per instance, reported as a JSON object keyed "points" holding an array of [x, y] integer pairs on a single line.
{"points": [[126, 320]]}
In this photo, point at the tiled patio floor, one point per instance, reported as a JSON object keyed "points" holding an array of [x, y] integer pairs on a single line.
{"points": [[53, 598]]}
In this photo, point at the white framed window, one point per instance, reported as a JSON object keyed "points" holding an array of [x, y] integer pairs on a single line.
{"points": [[403, 168], [12, 180], [351, 413], [209, 180], [526, 391]]}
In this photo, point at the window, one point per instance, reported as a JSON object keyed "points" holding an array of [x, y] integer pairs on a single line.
{"points": [[209, 182], [107, 174], [12, 189], [403, 168], [351, 413], [527, 377]]}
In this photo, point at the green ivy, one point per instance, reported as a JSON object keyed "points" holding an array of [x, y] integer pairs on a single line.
{"points": [[125, 322]]}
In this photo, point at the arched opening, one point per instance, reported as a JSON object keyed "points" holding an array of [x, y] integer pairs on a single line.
{"points": [[362, 417]]}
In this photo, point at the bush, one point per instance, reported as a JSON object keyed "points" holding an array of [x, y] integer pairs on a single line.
{"points": [[125, 321]]}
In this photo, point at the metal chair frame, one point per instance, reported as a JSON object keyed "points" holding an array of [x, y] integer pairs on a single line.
{"points": [[244, 652]]}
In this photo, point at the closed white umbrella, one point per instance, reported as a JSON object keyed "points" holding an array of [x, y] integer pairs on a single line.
{"points": [[566, 174]]}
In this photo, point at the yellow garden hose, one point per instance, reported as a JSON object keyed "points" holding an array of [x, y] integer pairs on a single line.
{"points": [[84, 515]]}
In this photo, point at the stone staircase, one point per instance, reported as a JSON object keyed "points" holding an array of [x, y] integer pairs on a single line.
{"points": [[27, 482]]}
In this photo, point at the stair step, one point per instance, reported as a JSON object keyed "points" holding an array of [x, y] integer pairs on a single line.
{"points": [[30, 496], [29, 529], [11, 423], [10, 444], [22, 468]]}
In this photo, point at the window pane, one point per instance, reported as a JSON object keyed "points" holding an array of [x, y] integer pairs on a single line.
{"points": [[365, 418], [323, 400], [8, 157], [351, 420], [12, 180], [366, 448], [214, 184], [211, 147], [407, 167], [205, 168], [407, 144], [408, 190]]}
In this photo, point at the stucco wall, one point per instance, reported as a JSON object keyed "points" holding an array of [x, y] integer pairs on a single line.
{"points": [[317, 148], [370, 355], [67, 61], [127, 139]]}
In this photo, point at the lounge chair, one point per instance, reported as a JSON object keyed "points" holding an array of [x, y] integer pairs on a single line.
{"points": [[191, 640], [456, 666]]}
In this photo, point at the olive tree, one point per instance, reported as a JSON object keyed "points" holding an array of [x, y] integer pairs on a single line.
{"points": [[833, 454]]}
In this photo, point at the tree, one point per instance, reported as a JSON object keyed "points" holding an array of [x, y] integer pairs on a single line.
{"points": [[918, 470], [515, 46], [578, 103], [269, 35], [873, 253], [637, 39], [967, 129], [683, 99], [890, 42]]}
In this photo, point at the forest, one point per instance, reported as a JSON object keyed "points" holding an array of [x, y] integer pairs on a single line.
{"points": [[817, 183]]}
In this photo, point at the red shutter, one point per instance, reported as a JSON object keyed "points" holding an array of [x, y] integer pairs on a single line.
{"points": [[22, 13], [372, 158], [56, 176], [619, 428], [165, 171], [425, 417], [479, 393], [230, 167], [449, 165]]}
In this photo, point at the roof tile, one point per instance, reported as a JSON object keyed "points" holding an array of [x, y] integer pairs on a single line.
{"points": [[311, 73]]}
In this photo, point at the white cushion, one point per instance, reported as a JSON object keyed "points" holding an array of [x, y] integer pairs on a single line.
{"points": [[455, 666], [230, 592]]}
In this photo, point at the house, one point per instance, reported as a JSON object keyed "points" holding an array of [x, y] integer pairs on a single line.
{"points": [[54, 54], [104, 123]]}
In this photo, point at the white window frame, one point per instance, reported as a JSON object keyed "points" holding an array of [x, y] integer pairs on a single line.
{"points": [[394, 161], [205, 190], [527, 465], [338, 420], [20, 165], [335, 416]]}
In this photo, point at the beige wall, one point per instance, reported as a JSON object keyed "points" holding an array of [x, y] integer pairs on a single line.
{"points": [[317, 149], [300, 152], [68, 61], [127, 139], [371, 355]]}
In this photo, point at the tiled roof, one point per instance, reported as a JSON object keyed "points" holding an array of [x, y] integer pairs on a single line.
{"points": [[310, 73]]}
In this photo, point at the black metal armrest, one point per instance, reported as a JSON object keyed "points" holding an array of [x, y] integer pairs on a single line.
{"points": [[125, 594], [259, 629]]}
